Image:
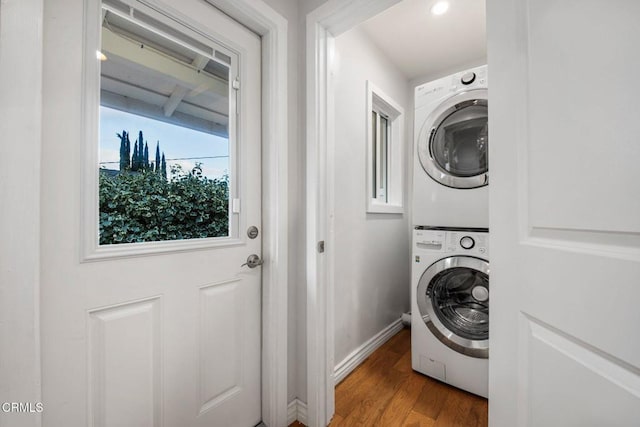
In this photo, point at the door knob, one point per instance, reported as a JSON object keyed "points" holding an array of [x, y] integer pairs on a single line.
{"points": [[253, 261]]}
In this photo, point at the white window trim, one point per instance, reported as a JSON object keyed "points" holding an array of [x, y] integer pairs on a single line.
{"points": [[384, 105]]}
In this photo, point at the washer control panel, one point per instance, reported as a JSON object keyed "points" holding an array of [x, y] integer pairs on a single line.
{"points": [[471, 243], [430, 240], [468, 242]]}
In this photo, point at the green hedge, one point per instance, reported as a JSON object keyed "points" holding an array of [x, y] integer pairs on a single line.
{"points": [[145, 207]]}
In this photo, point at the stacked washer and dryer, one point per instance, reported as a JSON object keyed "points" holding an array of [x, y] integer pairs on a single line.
{"points": [[450, 250]]}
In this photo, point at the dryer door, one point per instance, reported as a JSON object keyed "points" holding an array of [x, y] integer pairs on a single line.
{"points": [[453, 299], [453, 142]]}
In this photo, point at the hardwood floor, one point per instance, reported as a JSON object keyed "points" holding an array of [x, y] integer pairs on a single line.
{"points": [[384, 391]]}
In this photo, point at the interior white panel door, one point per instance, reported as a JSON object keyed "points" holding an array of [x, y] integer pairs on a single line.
{"points": [[158, 339], [565, 213]]}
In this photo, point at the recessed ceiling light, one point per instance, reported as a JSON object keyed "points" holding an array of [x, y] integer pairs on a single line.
{"points": [[440, 7]]}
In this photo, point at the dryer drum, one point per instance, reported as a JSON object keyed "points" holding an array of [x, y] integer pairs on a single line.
{"points": [[460, 142], [454, 140]]}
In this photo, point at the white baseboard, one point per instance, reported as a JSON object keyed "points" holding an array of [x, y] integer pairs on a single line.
{"points": [[358, 356], [297, 411]]}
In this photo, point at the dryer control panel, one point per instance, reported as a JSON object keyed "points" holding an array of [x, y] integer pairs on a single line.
{"points": [[434, 91]]}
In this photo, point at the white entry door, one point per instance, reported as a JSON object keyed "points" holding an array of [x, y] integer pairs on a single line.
{"points": [[565, 213], [151, 179]]}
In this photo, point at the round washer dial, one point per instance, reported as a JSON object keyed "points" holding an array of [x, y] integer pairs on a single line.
{"points": [[467, 242]]}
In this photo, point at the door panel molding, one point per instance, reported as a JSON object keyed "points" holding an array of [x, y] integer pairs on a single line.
{"points": [[600, 362], [220, 307], [116, 363], [580, 157], [554, 361], [607, 243]]}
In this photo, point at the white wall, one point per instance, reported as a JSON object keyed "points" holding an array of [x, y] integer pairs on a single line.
{"points": [[20, 127], [372, 251]]}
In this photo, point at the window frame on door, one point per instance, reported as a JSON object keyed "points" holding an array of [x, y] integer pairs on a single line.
{"points": [[385, 142], [91, 249]]}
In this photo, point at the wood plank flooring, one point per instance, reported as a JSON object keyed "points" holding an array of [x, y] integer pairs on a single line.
{"points": [[384, 391]]}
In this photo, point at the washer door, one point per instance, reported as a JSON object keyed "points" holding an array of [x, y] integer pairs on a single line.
{"points": [[453, 300], [453, 142]]}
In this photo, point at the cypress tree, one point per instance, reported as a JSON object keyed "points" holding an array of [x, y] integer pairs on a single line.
{"points": [[157, 168], [127, 152], [135, 159], [164, 168], [141, 163], [145, 158]]}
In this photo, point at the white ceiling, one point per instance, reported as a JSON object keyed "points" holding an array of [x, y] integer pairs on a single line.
{"points": [[424, 45]]}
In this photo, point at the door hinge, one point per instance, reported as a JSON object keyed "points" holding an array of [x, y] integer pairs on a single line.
{"points": [[321, 246]]}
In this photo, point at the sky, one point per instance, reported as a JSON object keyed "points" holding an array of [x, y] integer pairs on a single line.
{"points": [[176, 142]]}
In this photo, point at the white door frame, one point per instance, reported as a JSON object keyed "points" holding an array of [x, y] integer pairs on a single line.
{"points": [[21, 111], [20, 282], [322, 26], [272, 27]]}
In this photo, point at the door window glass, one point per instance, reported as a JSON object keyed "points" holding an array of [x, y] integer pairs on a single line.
{"points": [[165, 147], [459, 144], [460, 299]]}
